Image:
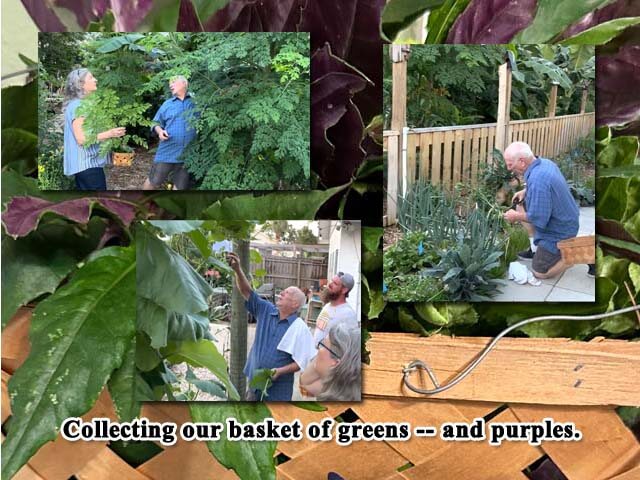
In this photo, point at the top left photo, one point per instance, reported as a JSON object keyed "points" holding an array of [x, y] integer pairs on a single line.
{"points": [[173, 111]]}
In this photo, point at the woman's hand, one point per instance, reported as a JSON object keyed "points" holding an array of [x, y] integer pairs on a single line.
{"points": [[117, 132]]}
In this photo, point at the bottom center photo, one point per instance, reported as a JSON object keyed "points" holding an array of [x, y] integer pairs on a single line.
{"points": [[248, 310]]}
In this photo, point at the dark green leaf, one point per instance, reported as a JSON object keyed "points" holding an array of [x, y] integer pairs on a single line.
{"points": [[247, 459], [122, 386], [172, 227], [78, 336], [273, 206], [371, 238], [399, 14], [20, 107], [19, 150], [201, 243], [262, 380], [207, 386], [202, 353], [603, 33], [311, 406], [441, 19]]}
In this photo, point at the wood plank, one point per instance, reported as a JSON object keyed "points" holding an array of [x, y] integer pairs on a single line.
{"points": [[466, 157], [6, 403], [436, 160], [457, 157], [412, 143], [475, 156], [447, 159], [554, 372], [484, 134], [632, 474], [106, 466], [478, 459], [365, 460], [285, 412], [392, 180], [491, 143], [607, 447], [15, 340], [27, 473], [426, 139]]}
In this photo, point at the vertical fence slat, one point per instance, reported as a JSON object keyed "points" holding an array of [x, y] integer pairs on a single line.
{"points": [[466, 156], [457, 157], [392, 178], [484, 137], [446, 164], [411, 158], [475, 155], [436, 159], [426, 139]]}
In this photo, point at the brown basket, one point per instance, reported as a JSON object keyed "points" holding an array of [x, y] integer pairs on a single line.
{"points": [[122, 159], [578, 250]]}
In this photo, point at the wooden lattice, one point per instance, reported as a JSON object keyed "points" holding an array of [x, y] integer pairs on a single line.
{"points": [[608, 449]]}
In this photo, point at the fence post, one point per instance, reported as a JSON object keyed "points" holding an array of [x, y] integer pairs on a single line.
{"points": [[583, 102], [553, 99], [399, 57], [238, 344], [504, 107]]}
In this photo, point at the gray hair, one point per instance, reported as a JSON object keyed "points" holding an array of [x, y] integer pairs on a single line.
{"points": [[344, 382], [519, 150], [74, 86], [180, 77], [300, 297]]}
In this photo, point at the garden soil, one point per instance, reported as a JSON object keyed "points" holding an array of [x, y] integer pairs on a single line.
{"points": [[130, 178]]}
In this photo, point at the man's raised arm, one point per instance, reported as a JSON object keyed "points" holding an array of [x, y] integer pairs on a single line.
{"points": [[241, 280]]}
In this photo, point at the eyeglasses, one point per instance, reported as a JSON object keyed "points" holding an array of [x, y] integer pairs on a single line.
{"points": [[320, 344]]}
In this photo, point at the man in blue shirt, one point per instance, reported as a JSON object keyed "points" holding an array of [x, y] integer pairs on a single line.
{"points": [[282, 342], [172, 125], [551, 212]]}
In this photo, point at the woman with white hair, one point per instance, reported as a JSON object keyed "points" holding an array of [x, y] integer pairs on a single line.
{"points": [[83, 161], [335, 372]]}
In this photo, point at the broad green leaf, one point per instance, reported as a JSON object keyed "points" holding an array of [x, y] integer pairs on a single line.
{"points": [[554, 16], [207, 386], [371, 238], [117, 42], [201, 242], [611, 201], [602, 33], [206, 8], [376, 302], [79, 335], [247, 459], [262, 380], [619, 152], [625, 171], [147, 358], [187, 204], [20, 107], [580, 54], [409, 323], [311, 406], [36, 264], [630, 246], [442, 18], [166, 279], [220, 265], [399, 14], [163, 17], [202, 353], [273, 206], [551, 70], [260, 272], [254, 256], [19, 150], [173, 227], [122, 386], [634, 274], [631, 217]]}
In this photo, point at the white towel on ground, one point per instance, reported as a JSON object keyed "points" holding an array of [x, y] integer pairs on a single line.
{"points": [[520, 274]]}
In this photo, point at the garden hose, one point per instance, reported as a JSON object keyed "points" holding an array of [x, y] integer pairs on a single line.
{"points": [[419, 364]]}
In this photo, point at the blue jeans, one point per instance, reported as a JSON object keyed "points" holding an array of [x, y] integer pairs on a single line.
{"points": [[91, 179]]}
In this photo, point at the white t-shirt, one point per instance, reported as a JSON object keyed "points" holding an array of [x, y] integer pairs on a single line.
{"points": [[298, 342], [330, 316]]}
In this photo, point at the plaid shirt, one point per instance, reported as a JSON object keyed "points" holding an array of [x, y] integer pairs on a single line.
{"points": [[264, 352], [551, 208], [174, 116]]}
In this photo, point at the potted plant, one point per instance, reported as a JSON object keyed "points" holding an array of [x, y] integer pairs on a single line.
{"points": [[103, 110]]}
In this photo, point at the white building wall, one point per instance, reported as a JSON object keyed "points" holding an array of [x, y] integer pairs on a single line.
{"points": [[345, 256]]}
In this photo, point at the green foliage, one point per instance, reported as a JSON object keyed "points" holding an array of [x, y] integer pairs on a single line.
{"points": [[103, 110], [62, 377], [262, 380]]}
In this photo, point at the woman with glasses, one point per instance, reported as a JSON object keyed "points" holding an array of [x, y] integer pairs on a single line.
{"points": [[335, 372], [83, 161]]}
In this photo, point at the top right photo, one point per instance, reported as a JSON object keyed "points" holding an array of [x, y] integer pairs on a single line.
{"points": [[490, 171]]}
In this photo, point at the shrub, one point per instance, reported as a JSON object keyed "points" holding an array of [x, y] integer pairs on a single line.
{"points": [[51, 170]]}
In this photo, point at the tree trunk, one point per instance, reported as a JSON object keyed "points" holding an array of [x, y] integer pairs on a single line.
{"points": [[238, 353]]}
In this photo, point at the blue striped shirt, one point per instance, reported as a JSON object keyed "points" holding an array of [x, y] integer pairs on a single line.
{"points": [[551, 208], [264, 352], [78, 158], [174, 116]]}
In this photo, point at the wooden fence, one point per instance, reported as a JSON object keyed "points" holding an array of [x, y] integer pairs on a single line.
{"points": [[450, 155], [285, 271]]}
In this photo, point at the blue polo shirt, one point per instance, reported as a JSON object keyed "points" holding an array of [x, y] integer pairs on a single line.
{"points": [[264, 352], [174, 116], [551, 208], [78, 158]]}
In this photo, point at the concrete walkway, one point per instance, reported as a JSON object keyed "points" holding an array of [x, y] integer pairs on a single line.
{"points": [[572, 286]]}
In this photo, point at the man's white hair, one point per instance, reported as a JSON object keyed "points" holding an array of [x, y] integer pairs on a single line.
{"points": [[299, 296], [182, 78], [519, 150]]}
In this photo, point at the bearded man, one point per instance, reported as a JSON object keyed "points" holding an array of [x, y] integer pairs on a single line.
{"points": [[336, 309]]}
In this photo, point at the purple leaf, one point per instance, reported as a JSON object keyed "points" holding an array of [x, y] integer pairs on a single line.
{"points": [[617, 77], [129, 14], [188, 20], [492, 21], [44, 17], [23, 214], [617, 9], [257, 16]]}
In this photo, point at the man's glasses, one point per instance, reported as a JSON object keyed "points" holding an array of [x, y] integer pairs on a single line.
{"points": [[320, 344]]}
